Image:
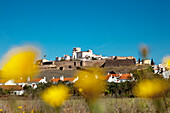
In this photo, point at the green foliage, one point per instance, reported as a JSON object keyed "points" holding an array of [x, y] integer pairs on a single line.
{"points": [[62, 60], [141, 74], [4, 92], [120, 89]]}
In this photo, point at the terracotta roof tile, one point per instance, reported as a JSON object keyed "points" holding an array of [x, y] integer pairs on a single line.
{"points": [[125, 76], [122, 76], [35, 80], [55, 80], [20, 81]]}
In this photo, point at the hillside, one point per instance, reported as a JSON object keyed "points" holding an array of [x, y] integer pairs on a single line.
{"points": [[49, 73]]}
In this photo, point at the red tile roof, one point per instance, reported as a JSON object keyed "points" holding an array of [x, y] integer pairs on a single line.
{"points": [[115, 75], [35, 80], [20, 81], [125, 76], [121, 76], [65, 79], [55, 80]]}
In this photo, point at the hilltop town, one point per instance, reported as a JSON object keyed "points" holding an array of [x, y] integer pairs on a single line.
{"points": [[117, 69], [68, 65], [88, 59]]}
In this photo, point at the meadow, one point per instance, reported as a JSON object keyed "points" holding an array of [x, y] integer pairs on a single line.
{"points": [[78, 105]]}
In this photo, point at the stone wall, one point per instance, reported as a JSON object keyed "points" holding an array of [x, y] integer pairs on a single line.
{"points": [[73, 64]]}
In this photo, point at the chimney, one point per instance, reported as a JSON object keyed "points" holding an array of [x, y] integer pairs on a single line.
{"points": [[62, 78], [45, 78]]}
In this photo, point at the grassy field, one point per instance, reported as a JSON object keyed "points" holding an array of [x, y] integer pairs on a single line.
{"points": [[107, 105]]}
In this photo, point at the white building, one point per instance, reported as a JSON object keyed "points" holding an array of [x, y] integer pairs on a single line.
{"points": [[58, 58], [62, 78], [146, 61], [118, 78], [88, 55], [78, 54], [166, 74], [33, 82], [67, 57], [14, 89]]}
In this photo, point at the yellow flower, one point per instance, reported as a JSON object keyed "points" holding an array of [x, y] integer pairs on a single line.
{"points": [[19, 62], [80, 90], [20, 107], [166, 61], [89, 83], [55, 95], [151, 88]]}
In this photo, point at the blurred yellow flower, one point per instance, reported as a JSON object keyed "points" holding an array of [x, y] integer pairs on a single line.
{"points": [[151, 88], [89, 83], [20, 107], [166, 61], [80, 90], [55, 95], [19, 62]]}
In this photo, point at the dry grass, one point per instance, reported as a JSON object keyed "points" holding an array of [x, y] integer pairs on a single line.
{"points": [[108, 105]]}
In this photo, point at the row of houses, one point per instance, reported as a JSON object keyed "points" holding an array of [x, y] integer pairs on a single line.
{"points": [[16, 86], [161, 69]]}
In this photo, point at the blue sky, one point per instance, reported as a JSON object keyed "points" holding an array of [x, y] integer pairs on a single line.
{"points": [[109, 27]]}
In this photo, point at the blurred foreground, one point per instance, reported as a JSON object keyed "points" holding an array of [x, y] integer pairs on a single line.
{"points": [[107, 104]]}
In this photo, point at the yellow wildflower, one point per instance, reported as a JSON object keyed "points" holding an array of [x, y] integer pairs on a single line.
{"points": [[151, 88], [19, 107], [80, 90], [55, 95], [19, 62], [89, 83]]}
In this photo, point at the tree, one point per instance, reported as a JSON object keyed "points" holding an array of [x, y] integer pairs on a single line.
{"points": [[139, 60], [152, 63]]}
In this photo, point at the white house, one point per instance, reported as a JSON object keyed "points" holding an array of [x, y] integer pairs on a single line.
{"points": [[118, 78], [146, 61], [14, 89], [62, 78], [10, 82], [33, 82], [166, 74]]}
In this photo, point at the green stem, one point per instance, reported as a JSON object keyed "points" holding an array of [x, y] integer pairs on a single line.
{"points": [[57, 109], [166, 106]]}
